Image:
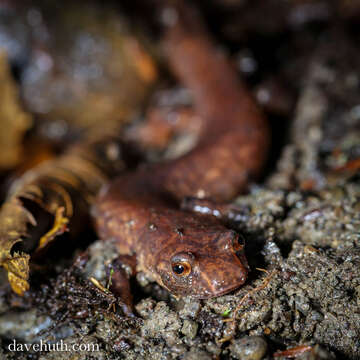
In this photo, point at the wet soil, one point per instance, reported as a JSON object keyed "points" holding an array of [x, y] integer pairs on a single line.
{"points": [[301, 226]]}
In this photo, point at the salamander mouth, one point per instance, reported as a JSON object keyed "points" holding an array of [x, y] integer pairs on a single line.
{"points": [[210, 295], [203, 289]]}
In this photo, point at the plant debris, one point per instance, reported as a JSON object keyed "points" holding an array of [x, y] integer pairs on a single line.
{"points": [[59, 193], [14, 121]]}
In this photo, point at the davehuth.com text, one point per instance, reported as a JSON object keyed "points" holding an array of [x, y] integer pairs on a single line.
{"points": [[15, 346]]}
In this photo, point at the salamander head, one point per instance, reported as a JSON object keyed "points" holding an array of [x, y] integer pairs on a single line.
{"points": [[203, 269]]}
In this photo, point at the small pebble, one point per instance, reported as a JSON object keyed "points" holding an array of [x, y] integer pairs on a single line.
{"points": [[121, 345], [179, 349], [196, 354], [190, 308], [145, 307], [189, 328], [249, 348], [142, 279], [213, 349]]}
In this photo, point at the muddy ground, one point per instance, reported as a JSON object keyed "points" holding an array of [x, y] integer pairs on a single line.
{"points": [[300, 223]]}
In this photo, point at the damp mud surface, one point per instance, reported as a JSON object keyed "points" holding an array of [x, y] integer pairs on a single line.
{"points": [[300, 225]]}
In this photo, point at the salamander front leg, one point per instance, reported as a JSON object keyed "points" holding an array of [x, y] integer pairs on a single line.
{"points": [[120, 271]]}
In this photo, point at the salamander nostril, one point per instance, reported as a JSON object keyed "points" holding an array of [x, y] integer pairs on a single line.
{"points": [[238, 243], [241, 240]]}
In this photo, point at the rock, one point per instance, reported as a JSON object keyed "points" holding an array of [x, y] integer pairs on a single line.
{"points": [[189, 328], [249, 348]]}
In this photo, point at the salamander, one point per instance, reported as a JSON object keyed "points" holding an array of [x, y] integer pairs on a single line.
{"points": [[191, 254]]}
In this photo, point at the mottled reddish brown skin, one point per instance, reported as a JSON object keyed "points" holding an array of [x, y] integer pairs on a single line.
{"points": [[141, 211]]}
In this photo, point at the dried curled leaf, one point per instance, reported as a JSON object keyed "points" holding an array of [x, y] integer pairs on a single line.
{"points": [[12, 118], [64, 189], [13, 221], [59, 227]]}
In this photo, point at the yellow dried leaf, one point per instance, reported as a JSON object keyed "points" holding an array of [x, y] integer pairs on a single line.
{"points": [[59, 227], [63, 189], [13, 220], [18, 272]]}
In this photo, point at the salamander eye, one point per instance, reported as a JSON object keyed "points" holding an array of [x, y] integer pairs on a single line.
{"points": [[182, 268]]}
